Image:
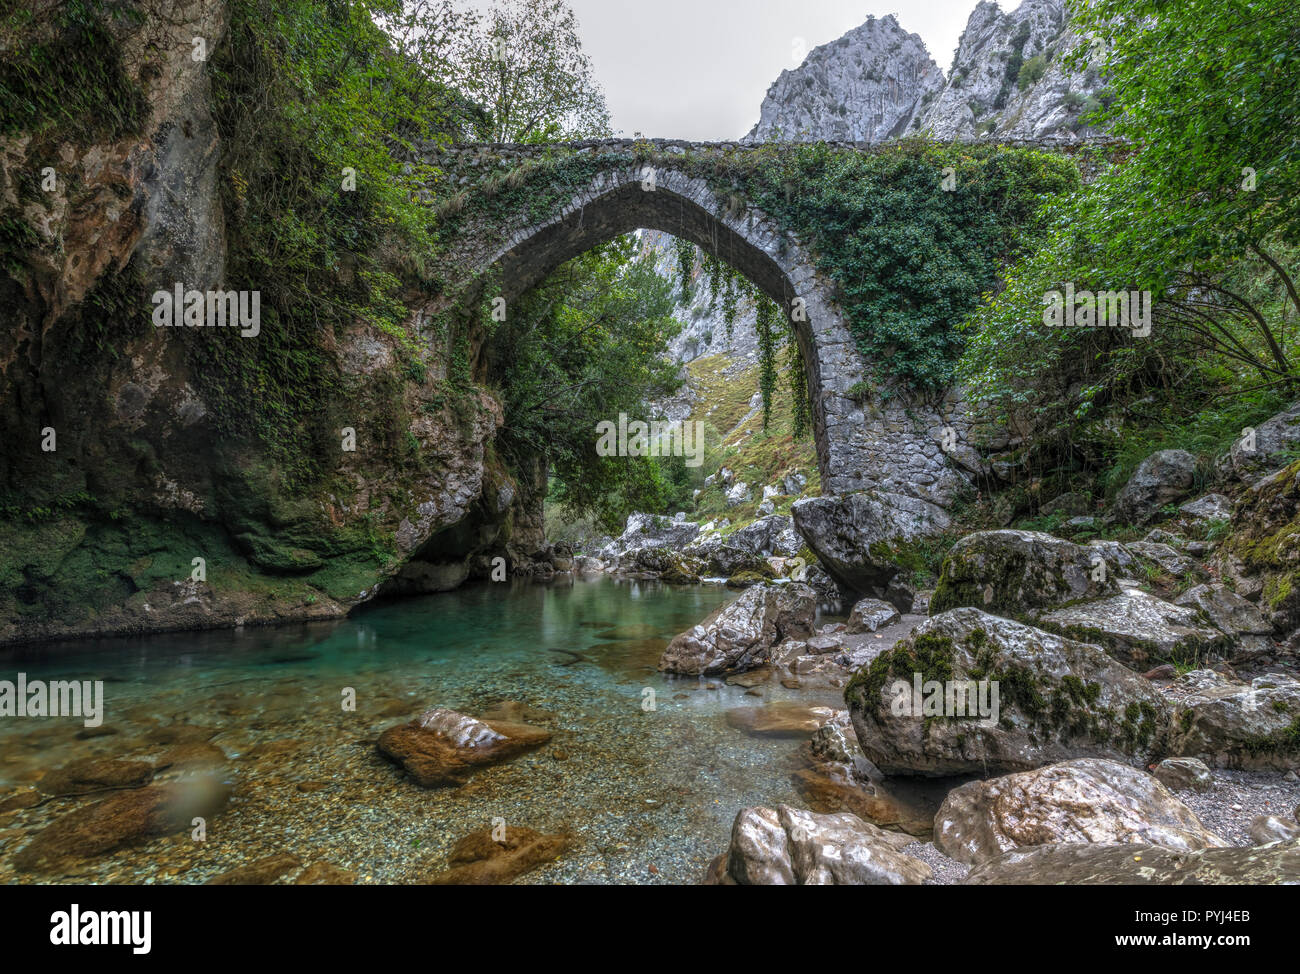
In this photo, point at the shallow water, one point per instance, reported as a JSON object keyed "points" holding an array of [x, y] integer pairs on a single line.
{"points": [[635, 788]]}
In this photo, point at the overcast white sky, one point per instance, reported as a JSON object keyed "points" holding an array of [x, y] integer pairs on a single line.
{"points": [[698, 69]]}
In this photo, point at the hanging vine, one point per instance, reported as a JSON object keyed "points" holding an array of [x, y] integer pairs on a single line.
{"points": [[728, 286], [765, 315]]}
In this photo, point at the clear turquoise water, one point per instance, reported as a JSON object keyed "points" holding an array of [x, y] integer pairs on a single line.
{"points": [[635, 788]]}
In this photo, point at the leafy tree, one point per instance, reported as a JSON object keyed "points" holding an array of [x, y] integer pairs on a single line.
{"points": [[583, 346], [1201, 212], [525, 65]]}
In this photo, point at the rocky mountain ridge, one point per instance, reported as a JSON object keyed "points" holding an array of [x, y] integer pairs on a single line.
{"points": [[1007, 80]]}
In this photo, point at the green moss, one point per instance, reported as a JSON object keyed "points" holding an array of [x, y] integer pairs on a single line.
{"points": [[1286, 741], [743, 579], [65, 74], [929, 654]]}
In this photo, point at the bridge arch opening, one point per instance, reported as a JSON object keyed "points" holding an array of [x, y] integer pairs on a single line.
{"points": [[687, 209]]}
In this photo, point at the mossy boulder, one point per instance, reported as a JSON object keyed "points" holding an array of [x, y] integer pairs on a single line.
{"points": [[1140, 630], [1240, 725], [1053, 699], [1262, 553], [1016, 573]]}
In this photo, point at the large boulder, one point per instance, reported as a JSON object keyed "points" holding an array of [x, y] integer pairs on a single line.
{"points": [[1056, 699], [1088, 800], [1240, 725], [746, 548], [668, 563], [792, 847], [1139, 629], [1160, 479], [442, 748], [1274, 439], [868, 615], [1020, 572], [647, 531], [742, 633], [856, 537], [1225, 610], [1078, 864], [1262, 553], [658, 531]]}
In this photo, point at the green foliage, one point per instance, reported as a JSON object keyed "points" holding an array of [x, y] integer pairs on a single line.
{"points": [[1175, 217], [62, 71], [581, 348], [775, 331], [307, 94], [525, 63], [909, 258], [1031, 72]]}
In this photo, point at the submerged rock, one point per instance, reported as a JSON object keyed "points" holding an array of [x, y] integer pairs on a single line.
{"points": [[480, 860], [263, 872], [783, 719], [441, 748], [95, 774], [741, 634], [1075, 864], [325, 874], [1088, 800], [127, 816], [1057, 699], [791, 847]]}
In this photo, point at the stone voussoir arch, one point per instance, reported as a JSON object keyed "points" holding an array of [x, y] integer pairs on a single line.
{"points": [[910, 450]]}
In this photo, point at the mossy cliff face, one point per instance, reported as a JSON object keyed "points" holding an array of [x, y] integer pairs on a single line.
{"points": [[1264, 547], [125, 505]]}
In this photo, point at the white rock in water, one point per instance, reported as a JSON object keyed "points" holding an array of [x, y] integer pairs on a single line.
{"points": [[458, 729]]}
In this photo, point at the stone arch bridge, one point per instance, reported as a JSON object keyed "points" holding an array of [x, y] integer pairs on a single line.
{"points": [[895, 447]]}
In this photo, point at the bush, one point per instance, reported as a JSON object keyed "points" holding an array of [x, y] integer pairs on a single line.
{"points": [[1031, 72]]}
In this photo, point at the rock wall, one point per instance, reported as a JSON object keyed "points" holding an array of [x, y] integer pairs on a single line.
{"points": [[1008, 78], [123, 508]]}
